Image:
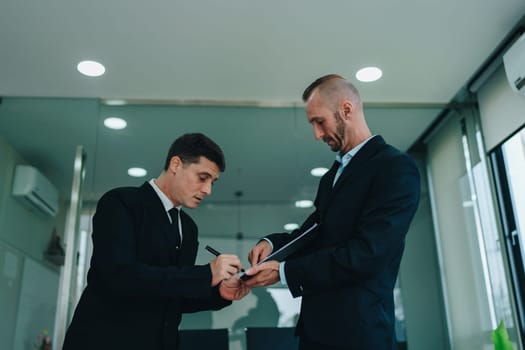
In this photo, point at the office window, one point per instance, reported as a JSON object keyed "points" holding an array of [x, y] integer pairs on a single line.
{"points": [[514, 157], [481, 226], [508, 162], [478, 205]]}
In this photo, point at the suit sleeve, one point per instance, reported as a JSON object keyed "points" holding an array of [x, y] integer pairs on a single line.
{"points": [[377, 238], [116, 267], [215, 302], [281, 239]]}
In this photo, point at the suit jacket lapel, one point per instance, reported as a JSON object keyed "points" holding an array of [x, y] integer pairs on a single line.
{"points": [[357, 164], [325, 188], [153, 206]]}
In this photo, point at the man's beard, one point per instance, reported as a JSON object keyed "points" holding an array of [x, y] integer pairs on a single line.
{"points": [[337, 144]]}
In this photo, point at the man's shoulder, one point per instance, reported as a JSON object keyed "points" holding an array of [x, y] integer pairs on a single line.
{"points": [[386, 155], [388, 150], [392, 151], [123, 191], [126, 194]]}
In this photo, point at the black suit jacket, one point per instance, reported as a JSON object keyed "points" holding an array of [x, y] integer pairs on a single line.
{"points": [[347, 272], [139, 284]]}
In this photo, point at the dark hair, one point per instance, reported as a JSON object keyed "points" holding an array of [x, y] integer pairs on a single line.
{"points": [[190, 147], [308, 91]]}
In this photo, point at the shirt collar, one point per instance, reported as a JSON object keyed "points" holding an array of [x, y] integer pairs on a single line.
{"points": [[345, 159], [166, 202]]}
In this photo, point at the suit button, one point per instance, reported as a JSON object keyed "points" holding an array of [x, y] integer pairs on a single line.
{"points": [[301, 288]]}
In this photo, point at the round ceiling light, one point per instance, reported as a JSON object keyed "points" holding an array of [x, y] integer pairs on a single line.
{"points": [[318, 172], [137, 172], [305, 203], [115, 123], [369, 74], [91, 68], [291, 226]]}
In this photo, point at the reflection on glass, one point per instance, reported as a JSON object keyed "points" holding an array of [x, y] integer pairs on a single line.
{"points": [[400, 317], [263, 314], [288, 307], [469, 184], [482, 231], [273, 307]]}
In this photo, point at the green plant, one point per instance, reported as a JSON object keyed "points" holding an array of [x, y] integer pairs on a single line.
{"points": [[500, 338], [43, 342]]}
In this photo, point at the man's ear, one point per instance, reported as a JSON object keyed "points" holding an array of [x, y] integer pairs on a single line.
{"points": [[347, 109], [175, 164]]}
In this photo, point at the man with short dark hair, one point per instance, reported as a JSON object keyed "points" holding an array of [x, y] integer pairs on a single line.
{"points": [[142, 275]]}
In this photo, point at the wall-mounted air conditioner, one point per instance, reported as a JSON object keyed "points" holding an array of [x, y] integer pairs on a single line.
{"points": [[514, 62], [33, 189]]}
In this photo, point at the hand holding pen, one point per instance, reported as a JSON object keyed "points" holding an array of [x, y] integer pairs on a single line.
{"points": [[216, 253], [229, 288], [223, 266]]}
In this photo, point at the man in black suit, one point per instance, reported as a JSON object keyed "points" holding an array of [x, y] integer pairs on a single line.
{"points": [[346, 273], [142, 275]]}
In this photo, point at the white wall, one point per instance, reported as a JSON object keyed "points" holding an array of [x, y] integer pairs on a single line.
{"points": [[37, 304], [24, 235], [419, 278]]}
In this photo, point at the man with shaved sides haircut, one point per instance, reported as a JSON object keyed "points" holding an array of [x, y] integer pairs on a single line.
{"points": [[347, 270]]}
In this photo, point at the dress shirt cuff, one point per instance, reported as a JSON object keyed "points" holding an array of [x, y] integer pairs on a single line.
{"points": [[282, 275], [269, 242]]}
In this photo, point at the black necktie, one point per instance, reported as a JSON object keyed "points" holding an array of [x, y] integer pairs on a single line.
{"points": [[174, 214]]}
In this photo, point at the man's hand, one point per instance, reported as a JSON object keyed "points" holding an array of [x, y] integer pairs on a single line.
{"points": [[263, 275], [233, 288], [224, 267], [259, 252]]}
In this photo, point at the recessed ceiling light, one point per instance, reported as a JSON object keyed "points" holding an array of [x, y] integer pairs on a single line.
{"points": [[368, 74], [305, 203], [91, 68], [291, 226], [137, 172], [115, 123], [115, 102], [318, 171]]}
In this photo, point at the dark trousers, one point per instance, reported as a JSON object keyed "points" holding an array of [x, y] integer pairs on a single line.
{"points": [[307, 344]]}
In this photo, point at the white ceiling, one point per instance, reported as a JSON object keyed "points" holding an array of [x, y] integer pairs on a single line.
{"points": [[188, 66]]}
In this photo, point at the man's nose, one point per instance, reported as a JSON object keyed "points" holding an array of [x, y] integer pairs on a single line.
{"points": [[207, 188], [318, 133]]}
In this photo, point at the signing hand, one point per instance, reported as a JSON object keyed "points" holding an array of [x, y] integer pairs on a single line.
{"points": [[259, 252], [223, 267], [233, 288], [264, 274]]}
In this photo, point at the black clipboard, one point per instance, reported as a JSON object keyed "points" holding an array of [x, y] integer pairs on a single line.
{"points": [[286, 250]]}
